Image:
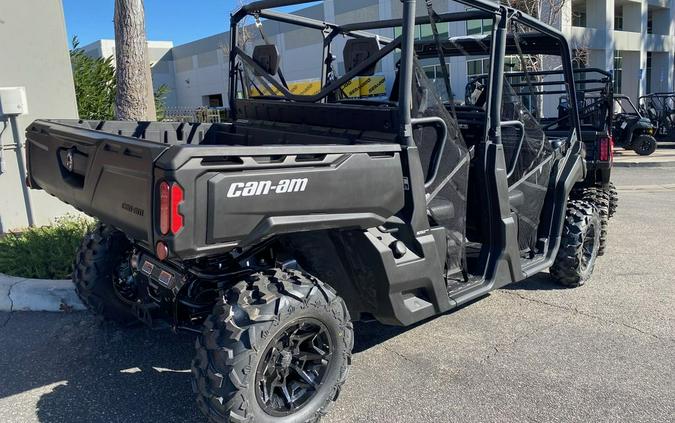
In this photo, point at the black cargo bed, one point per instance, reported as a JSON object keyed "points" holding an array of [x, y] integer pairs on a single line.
{"points": [[110, 170]]}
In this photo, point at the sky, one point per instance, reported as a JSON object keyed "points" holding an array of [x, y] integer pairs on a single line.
{"points": [[165, 20]]}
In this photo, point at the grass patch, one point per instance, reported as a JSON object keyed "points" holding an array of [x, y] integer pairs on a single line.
{"points": [[46, 252]]}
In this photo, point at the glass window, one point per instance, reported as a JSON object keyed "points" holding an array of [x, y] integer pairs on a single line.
{"points": [[579, 14], [478, 26], [618, 19], [473, 27], [430, 71]]}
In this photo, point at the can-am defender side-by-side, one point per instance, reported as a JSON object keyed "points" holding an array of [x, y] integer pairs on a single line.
{"points": [[660, 109], [268, 235], [632, 130], [595, 102]]}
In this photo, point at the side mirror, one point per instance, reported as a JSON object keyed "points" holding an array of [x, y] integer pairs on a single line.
{"points": [[267, 57], [359, 50]]}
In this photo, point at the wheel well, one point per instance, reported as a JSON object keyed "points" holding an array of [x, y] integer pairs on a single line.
{"points": [[322, 254]]}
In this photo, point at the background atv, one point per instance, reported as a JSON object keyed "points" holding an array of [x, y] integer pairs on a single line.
{"points": [[632, 130], [660, 109], [268, 235]]}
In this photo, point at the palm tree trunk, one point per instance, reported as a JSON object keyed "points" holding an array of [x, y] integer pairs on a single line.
{"points": [[135, 98]]}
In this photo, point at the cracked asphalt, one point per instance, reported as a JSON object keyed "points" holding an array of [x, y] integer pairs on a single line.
{"points": [[527, 353]]}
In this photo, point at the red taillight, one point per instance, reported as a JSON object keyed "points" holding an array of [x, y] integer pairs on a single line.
{"points": [[606, 148], [170, 199], [164, 207], [176, 200]]}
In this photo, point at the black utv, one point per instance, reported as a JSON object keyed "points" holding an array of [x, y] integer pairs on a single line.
{"points": [[270, 234], [632, 130], [660, 109], [595, 103]]}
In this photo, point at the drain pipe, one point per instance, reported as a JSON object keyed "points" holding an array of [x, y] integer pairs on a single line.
{"points": [[22, 169], [13, 103]]}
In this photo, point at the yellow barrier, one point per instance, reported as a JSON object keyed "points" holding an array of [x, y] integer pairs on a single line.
{"points": [[365, 86]]}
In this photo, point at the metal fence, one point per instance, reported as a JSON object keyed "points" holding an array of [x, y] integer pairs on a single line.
{"points": [[195, 114]]}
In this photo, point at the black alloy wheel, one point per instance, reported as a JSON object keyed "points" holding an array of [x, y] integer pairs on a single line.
{"points": [[293, 367]]}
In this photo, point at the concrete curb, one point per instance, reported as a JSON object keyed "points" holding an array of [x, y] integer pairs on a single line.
{"points": [[24, 294], [644, 164]]}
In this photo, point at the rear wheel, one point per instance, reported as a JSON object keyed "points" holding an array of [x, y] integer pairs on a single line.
{"points": [[644, 145], [600, 198], [579, 245], [613, 199], [102, 274], [276, 349]]}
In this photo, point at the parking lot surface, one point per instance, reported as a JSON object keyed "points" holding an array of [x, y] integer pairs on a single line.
{"points": [[529, 352]]}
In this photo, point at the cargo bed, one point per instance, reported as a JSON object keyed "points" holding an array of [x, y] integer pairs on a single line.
{"points": [[239, 183]]}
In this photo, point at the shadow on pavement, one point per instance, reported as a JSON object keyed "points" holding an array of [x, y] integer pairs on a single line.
{"points": [[85, 371], [538, 282]]}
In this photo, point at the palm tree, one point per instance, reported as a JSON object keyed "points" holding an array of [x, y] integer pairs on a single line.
{"points": [[135, 99]]}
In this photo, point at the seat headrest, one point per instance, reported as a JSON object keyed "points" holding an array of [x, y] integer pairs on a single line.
{"points": [[359, 50], [267, 57]]}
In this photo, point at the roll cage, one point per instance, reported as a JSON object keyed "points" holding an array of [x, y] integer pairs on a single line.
{"points": [[594, 94], [551, 39], [633, 110]]}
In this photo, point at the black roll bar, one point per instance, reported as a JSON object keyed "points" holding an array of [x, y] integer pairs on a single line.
{"points": [[484, 9]]}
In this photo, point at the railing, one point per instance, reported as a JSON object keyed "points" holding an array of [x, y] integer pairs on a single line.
{"points": [[195, 114]]}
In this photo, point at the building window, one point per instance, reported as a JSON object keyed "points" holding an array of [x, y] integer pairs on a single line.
{"points": [[579, 14], [478, 26], [213, 100], [648, 72], [435, 72], [618, 69], [477, 67], [618, 19], [650, 23], [425, 32]]}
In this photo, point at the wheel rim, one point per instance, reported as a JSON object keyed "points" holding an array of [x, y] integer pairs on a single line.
{"points": [[644, 146], [293, 367], [588, 249]]}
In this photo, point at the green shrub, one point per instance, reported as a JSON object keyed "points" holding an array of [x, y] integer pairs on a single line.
{"points": [[46, 252]]}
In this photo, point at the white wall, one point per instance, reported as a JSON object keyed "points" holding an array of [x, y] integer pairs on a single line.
{"points": [[34, 54]]}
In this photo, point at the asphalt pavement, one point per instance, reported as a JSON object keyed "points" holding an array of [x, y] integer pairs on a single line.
{"points": [[531, 352]]}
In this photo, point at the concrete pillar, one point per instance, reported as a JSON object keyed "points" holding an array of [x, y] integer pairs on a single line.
{"points": [[642, 89], [671, 53], [600, 16], [632, 78]]}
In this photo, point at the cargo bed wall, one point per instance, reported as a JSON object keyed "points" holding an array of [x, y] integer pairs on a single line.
{"points": [[238, 196], [104, 175], [234, 195]]}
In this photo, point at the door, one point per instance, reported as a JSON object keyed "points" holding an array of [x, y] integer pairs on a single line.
{"points": [[528, 156]]}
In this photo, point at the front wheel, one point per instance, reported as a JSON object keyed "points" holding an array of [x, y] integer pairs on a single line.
{"points": [[644, 145], [276, 349], [579, 245]]}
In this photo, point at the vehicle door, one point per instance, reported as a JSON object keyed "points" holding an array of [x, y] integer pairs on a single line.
{"points": [[528, 154]]}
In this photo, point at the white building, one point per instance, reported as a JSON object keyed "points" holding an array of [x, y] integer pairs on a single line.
{"points": [[636, 39]]}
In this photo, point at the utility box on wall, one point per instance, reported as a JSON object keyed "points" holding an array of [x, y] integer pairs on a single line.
{"points": [[36, 82], [13, 101]]}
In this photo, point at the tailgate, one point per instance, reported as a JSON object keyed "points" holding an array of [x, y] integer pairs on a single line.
{"points": [[102, 174]]}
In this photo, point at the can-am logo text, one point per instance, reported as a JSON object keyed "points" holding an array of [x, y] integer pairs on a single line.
{"points": [[249, 189]]}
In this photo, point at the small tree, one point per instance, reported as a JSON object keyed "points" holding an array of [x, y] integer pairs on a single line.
{"points": [[135, 99], [95, 86], [160, 101]]}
